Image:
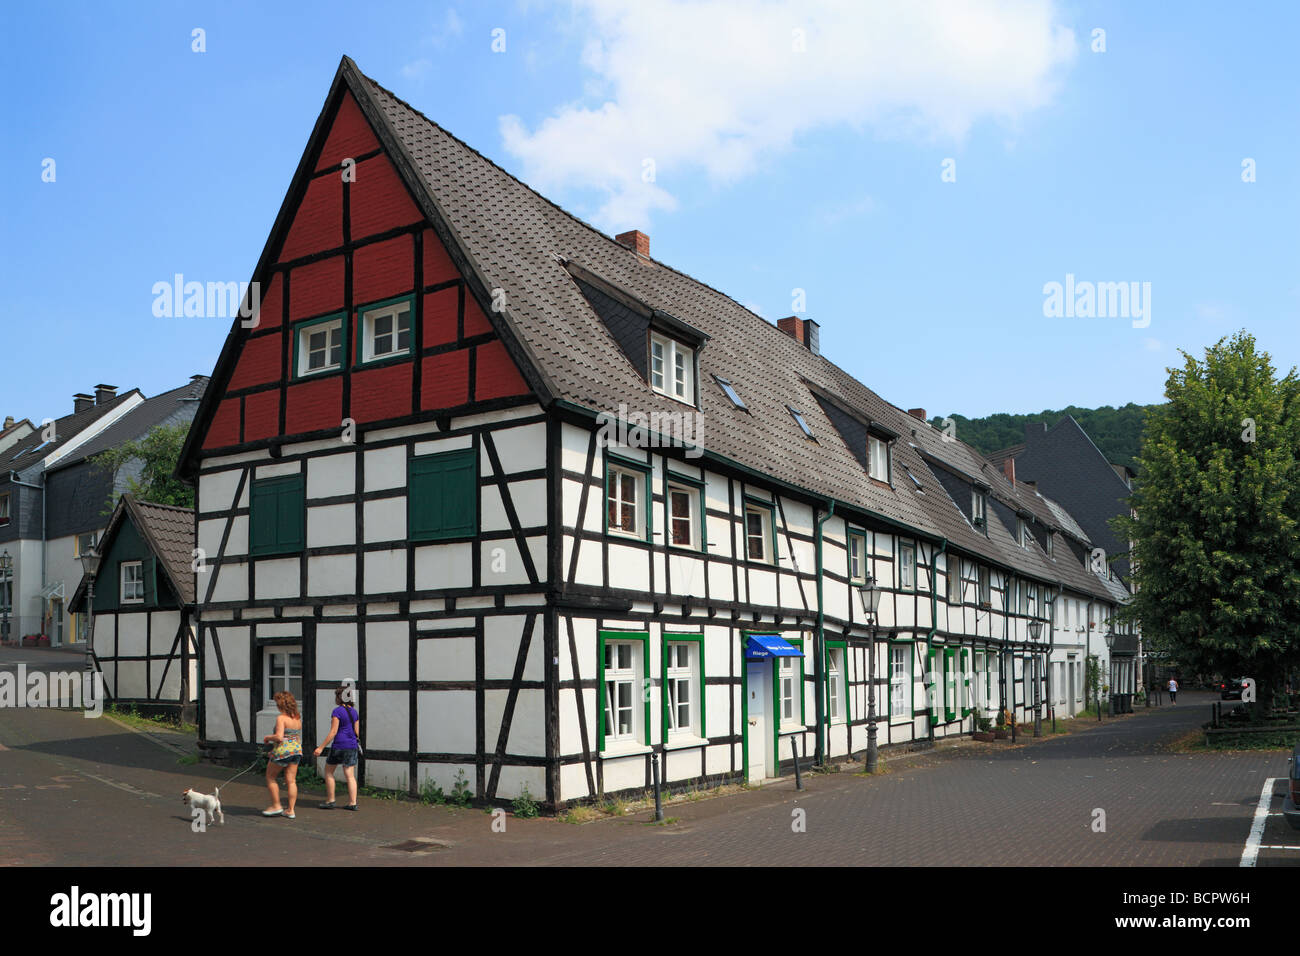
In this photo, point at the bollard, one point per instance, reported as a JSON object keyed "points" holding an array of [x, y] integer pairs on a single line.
{"points": [[659, 806], [794, 748]]}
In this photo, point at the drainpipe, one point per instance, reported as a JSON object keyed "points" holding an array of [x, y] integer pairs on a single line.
{"points": [[821, 638], [934, 613], [13, 480]]}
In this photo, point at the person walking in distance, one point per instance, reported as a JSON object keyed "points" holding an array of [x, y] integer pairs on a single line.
{"points": [[345, 727], [1173, 691]]}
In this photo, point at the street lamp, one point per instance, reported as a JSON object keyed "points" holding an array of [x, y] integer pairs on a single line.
{"points": [[869, 594], [6, 572], [90, 559], [1035, 631]]}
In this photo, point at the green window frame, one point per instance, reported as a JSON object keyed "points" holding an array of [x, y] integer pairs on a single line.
{"points": [[299, 371], [616, 464], [277, 515], [769, 508], [950, 680], [672, 637], [696, 488], [442, 500], [798, 682], [621, 637], [847, 716], [363, 333], [933, 683]]}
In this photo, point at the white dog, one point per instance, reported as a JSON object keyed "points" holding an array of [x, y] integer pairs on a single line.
{"points": [[203, 801]]}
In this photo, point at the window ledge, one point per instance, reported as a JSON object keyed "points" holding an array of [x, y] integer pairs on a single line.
{"points": [[624, 750], [793, 728], [683, 741]]}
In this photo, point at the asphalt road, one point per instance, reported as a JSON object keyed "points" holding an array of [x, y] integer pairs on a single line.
{"points": [[77, 791]]}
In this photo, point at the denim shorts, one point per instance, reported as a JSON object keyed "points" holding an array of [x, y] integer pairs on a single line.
{"points": [[342, 758], [290, 761]]}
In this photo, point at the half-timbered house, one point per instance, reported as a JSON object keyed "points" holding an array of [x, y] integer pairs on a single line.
{"points": [[561, 510]]}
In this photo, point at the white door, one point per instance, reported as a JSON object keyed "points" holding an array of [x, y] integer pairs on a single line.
{"points": [[758, 731]]}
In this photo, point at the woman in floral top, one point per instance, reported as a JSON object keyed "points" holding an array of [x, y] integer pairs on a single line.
{"points": [[286, 756]]}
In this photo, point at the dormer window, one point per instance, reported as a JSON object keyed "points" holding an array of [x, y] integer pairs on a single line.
{"points": [[878, 458], [1023, 533], [979, 509], [672, 369]]}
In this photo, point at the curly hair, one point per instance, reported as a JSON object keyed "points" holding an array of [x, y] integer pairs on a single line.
{"points": [[287, 703]]}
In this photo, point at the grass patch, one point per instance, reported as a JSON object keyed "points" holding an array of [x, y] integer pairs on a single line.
{"points": [[188, 760], [132, 717], [584, 813]]}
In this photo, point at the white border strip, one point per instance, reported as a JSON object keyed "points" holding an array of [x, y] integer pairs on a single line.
{"points": [[1251, 850]]}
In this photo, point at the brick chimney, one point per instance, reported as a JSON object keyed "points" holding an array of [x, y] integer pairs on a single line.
{"points": [[804, 331], [1009, 469], [105, 394], [9, 422], [918, 414], [81, 401], [635, 240]]}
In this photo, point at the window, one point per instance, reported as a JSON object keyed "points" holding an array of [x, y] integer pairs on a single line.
{"points": [[759, 544], [320, 346], [683, 702], [385, 330], [907, 566], [803, 425], [132, 582], [789, 688], [442, 495], [277, 515], [730, 391], [84, 543], [283, 672], [672, 369], [625, 709], [979, 509], [916, 481], [1023, 591], [900, 680], [954, 581], [835, 697], [877, 458], [985, 587], [625, 498], [684, 517], [1023, 534], [1051, 544], [857, 557], [4, 508]]}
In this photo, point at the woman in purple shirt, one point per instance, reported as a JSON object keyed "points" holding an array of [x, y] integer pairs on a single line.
{"points": [[345, 725]]}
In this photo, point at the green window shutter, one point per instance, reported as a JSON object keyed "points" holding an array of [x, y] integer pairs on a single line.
{"points": [[149, 570], [949, 667], [933, 676], [965, 672], [277, 515], [442, 495]]}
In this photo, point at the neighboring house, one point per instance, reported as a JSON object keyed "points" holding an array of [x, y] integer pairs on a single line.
{"points": [[1064, 462], [143, 624], [60, 500], [406, 476]]}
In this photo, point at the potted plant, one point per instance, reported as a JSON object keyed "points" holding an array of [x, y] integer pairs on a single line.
{"points": [[983, 729], [1000, 730]]}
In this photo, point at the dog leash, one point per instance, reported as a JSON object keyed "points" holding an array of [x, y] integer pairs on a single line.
{"points": [[244, 771]]}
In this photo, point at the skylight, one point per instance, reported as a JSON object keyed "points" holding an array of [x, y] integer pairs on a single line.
{"points": [[730, 391], [798, 416], [914, 478]]}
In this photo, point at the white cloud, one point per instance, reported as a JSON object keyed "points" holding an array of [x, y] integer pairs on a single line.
{"points": [[717, 84]]}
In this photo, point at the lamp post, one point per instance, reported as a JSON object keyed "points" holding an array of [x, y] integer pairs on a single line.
{"points": [[6, 572], [90, 559], [1035, 631], [869, 594]]}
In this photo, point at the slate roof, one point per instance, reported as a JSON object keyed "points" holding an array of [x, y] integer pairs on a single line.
{"points": [[139, 421], [509, 238], [169, 532], [23, 454]]}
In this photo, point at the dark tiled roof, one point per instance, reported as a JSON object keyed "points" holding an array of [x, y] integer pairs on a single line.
{"points": [[140, 420], [30, 450], [1001, 455], [169, 532]]}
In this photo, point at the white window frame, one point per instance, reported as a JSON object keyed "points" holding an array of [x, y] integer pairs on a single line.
{"points": [[979, 509], [878, 458], [277, 669], [675, 490], [956, 587], [673, 357], [900, 675], [619, 676], [614, 491], [129, 595], [984, 584], [789, 669], [765, 517], [393, 310], [906, 569], [682, 675], [304, 334], [858, 538], [836, 686]]}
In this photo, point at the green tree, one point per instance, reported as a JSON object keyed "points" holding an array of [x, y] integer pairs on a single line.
{"points": [[1215, 537], [159, 451]]}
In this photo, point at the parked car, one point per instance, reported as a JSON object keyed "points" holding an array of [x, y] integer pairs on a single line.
{"points": [[1230, 689], [1291, 803]]}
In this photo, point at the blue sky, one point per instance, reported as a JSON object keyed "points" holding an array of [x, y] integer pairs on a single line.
{"points": [[774, 169]]}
